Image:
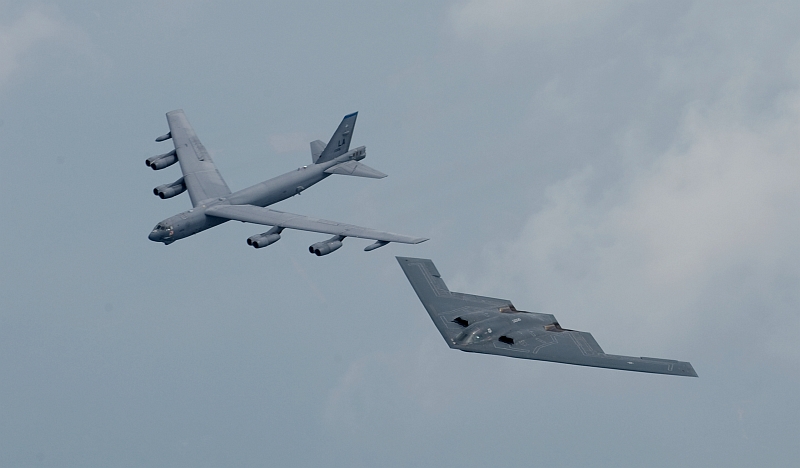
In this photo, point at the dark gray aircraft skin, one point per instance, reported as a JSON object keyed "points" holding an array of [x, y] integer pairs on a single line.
{"points": [[213, 203], [478, 324]]}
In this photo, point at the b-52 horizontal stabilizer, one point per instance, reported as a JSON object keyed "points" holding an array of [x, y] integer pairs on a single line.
{"points": [[488, 325], [353, 168]]}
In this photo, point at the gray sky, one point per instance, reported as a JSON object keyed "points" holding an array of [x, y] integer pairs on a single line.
{"points": [[631, 167]]}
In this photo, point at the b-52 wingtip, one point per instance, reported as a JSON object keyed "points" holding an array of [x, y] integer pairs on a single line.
{"points": [[488, 325]]}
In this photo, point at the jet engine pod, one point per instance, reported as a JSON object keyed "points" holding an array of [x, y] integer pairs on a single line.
{"points": [[324, 248], [170, 190], [262, 240], [149, 161], [161, 161]]}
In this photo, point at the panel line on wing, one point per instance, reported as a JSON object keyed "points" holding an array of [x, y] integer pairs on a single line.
{"points": [[437, 285], [582, 344]]}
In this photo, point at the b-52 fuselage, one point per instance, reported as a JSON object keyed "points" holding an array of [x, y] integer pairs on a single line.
{"points": [[213, 203]]}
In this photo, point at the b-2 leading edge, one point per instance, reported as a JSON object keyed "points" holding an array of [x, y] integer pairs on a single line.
{"points": [[213, 203]]}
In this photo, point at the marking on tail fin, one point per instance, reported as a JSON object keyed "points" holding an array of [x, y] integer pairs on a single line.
{"points": [[340, 141]]}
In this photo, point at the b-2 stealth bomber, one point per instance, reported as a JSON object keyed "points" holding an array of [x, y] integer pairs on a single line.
{"points": [[478, 324], [213, 203]]}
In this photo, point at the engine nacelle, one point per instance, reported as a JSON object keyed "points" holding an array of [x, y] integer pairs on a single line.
{"points": [[324, 248], [262, 240], [170, 190], [162, 160]]}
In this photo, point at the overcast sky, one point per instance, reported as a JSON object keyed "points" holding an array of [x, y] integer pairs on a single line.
{"points": [[630, 167]]}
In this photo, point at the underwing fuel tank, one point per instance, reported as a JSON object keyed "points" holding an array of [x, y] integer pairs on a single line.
{"points": [[376, 245]]}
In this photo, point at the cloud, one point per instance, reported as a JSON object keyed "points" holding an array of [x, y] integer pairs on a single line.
{"points": [[19, 38], [508, 20], [363, 387], [705, 235], [344, 400], [424, 377], [289, 142]]}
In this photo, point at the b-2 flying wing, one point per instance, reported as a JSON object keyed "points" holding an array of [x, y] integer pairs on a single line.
{"points": [[487, 325], [213, 203]]}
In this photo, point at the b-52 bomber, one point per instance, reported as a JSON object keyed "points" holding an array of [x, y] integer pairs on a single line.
{"points": [[213, 203], [478, 324]]}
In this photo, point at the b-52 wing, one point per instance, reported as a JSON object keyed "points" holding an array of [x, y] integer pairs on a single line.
{"points": [[280, 219], [202, 179], [487, 325]]}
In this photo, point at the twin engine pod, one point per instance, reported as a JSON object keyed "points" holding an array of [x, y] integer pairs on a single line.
{"points": [[170, 190], [265, 238], [162, 160], [319, 249], [324, 248]]}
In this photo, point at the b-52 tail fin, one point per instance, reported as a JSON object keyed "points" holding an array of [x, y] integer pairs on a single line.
{"points": [[340, 141]]}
